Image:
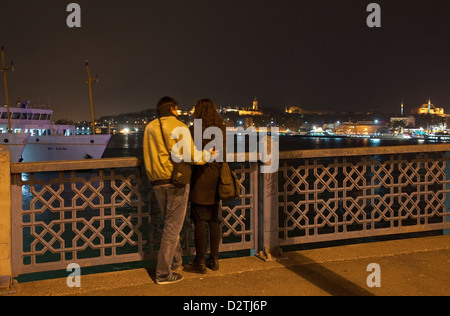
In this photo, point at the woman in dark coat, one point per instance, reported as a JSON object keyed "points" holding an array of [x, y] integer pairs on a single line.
{"points": [[204, 195]]}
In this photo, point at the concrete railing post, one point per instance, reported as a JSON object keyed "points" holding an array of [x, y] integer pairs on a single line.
{"points": [[269, 246], [6, 280]]}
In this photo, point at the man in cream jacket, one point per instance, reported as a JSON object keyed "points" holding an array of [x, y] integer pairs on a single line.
{"points": [[171, 199]]}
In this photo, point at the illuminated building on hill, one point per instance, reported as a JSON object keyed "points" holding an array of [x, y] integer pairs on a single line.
{"points": [[248, 111], [429, 108]]}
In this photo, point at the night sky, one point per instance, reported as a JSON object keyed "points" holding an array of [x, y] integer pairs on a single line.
{"points": [[312, 54]]}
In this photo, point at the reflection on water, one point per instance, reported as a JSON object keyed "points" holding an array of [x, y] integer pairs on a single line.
{"points": [[131, 145], [124, 146]]}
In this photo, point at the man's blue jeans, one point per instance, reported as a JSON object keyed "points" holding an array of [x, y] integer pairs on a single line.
{"points": [[173, 203]]}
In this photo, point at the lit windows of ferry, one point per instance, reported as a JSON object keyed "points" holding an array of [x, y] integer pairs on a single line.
{"points": [[59, 130], [84, 130], [63, 131], [38, 114]]}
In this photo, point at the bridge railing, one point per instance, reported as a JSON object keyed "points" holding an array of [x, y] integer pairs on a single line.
{"points": [[96, 212], [361, 192]]}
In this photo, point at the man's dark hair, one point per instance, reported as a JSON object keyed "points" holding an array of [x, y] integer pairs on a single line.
{"points": [[165, 100], [165, 105]]}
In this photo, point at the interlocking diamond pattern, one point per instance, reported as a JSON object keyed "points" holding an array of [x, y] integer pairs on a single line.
{"points": [[109, 216], [346, 197], [78, 215]]}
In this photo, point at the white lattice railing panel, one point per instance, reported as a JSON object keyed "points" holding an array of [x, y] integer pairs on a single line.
{"points": [[356, 196], [107, 215]]}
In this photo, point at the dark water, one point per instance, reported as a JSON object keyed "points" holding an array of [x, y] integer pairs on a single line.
{"points": [[131, 145]]}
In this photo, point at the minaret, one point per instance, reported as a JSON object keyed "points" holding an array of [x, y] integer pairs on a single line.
{"points": [[401, 109], [429, 105], [255, 104]]}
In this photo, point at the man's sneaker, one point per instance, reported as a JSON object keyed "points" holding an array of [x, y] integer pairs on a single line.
{"points": [[174, 278]]}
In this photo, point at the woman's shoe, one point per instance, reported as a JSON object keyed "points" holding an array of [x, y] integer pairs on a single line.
{"points": [[213, 263], [195, 267]]}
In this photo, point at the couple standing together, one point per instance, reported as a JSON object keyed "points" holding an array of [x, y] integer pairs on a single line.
{"points": [[173, 200]]}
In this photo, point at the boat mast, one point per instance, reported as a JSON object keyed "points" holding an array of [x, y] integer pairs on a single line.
{"points": [[89, 82], [5, 69]]}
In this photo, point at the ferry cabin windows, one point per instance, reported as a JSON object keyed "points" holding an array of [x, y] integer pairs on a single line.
{"points": [[49, 132], [26, 116]]}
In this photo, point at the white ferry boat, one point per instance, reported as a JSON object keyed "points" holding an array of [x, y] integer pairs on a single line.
{"points": [[29, 134], [33, 137], [15, 142]]}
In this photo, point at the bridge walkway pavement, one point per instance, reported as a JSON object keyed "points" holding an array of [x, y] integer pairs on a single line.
{"points": [[413, 266]]}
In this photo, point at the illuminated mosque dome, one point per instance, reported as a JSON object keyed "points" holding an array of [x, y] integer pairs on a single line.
{"points": [[429, 108]]}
